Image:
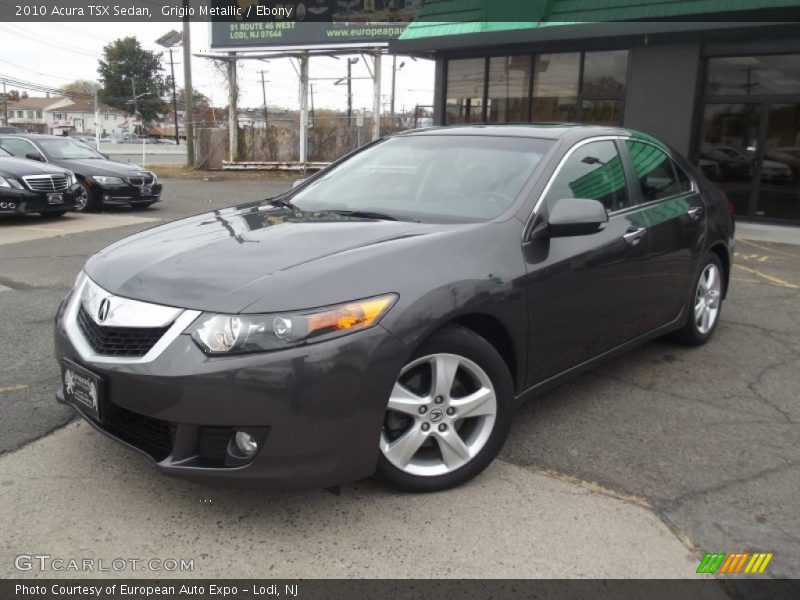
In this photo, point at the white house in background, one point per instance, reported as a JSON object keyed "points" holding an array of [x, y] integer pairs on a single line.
{"points": [[63, 116], [28, 113]]}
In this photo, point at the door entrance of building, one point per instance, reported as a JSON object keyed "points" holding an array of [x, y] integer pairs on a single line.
{"points": [[750, 138]]}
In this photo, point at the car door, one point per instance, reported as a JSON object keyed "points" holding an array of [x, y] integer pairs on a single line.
{"points": [[674, 213], [586, 293]]}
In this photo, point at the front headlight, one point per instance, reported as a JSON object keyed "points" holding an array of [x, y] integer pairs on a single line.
{"points": [[103, 180], [238, 334], [153, 175], [10, 183], [71, 178]]}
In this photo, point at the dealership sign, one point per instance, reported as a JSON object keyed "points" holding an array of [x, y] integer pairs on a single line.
{"points": [[313, 23]]}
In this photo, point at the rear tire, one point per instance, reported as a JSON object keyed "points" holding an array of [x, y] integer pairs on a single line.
{"points": [[449, 413], [706, 305]]}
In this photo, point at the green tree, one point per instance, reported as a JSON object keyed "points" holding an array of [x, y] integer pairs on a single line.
{"points": [[129, 71]]}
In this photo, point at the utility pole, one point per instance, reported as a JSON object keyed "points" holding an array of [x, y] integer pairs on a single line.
{"points": [[312, 105], [264, 92], [350, 63], [174, 97], [135, 103], [233, 116], [187, 88], [376, 96], [168, 41], [5, 105], [96, 120], [304, 109], [394, 77]]}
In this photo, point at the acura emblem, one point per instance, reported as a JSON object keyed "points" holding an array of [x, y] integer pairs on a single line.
{"points": [[102, 312]]}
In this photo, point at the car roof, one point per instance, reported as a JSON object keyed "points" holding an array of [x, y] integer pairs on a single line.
{"points": [[36, 136], [551, 131]]}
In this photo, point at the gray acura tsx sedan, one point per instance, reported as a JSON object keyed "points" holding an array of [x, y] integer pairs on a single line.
{"points": [[387, 314]]}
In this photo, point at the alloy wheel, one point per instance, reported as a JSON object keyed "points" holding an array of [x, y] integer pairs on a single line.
{"points": [[81, 198], [707, 299], [440, 414]]}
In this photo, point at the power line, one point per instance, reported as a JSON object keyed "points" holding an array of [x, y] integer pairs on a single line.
{"points": [[31, 35]]}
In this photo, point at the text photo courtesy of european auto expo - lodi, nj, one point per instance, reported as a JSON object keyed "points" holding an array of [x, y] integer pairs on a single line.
{"points": [[399, 299]]}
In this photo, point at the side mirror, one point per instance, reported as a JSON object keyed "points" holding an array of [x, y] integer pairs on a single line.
{"points": [[34, 156], [298, 182], [576, 216]]}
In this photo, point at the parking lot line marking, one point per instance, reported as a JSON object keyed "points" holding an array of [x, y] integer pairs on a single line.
{"points": [[770, 278], [13, 388], [48, 229], [765, 248]]}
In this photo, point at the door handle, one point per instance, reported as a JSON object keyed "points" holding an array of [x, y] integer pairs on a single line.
{"points": [[695, 212], [634, 235]]}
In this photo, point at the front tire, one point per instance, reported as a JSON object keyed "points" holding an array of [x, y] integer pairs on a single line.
{"points": [[449, 413], [84, 198], [704, 311]]}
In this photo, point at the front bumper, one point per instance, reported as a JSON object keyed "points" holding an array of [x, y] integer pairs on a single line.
{"points": [[322, 406], [127, 194], [17, 202]]}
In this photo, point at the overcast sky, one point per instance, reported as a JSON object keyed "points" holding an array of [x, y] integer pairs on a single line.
{"points": [[56, 53]]}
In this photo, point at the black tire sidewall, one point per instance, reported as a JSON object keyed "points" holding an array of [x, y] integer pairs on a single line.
{"points": [[454, 339]]}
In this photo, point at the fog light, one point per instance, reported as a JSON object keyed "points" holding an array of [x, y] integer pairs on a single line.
{"points": [[246, 443]]}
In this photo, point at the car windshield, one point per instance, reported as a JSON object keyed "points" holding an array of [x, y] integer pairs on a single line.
{"points": [[428, 178], [67, 149]]}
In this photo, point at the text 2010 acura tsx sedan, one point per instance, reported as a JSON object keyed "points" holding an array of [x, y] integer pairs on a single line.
{"points": [[388, 313]]}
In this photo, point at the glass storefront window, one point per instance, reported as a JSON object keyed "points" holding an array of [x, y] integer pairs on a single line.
{"points": [[509, 87], [601, 112], [555, 86], [605, 72], [465, 85], [753, 75]]}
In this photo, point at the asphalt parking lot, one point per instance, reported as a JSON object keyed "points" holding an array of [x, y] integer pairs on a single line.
{"points": [[629, 470]]}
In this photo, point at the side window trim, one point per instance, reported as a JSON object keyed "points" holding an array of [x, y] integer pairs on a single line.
{"points": [[540, 201]]}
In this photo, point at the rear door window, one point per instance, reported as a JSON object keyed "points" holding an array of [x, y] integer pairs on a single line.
{"points": [[657, 174]]}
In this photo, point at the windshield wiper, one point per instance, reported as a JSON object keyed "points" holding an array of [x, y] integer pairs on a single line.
{"points": [[282, 203], [369, 214]]}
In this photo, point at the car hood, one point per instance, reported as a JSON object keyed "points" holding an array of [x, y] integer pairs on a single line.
{"points": [[225, 261], [22, 167], [96, 166]]}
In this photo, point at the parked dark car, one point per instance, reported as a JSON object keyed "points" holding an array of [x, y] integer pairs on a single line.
{"points": [[11, 130], [28, 187], [389, 312], [102, 182]]}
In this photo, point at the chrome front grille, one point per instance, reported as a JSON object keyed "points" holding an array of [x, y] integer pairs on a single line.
{"points": [[47, 183], [119, 341]]}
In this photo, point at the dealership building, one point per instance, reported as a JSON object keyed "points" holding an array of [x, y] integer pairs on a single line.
{"points": [[719, 80]]}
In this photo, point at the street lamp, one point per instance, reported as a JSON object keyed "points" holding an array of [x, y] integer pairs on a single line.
{"points": [[169, 41]]}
